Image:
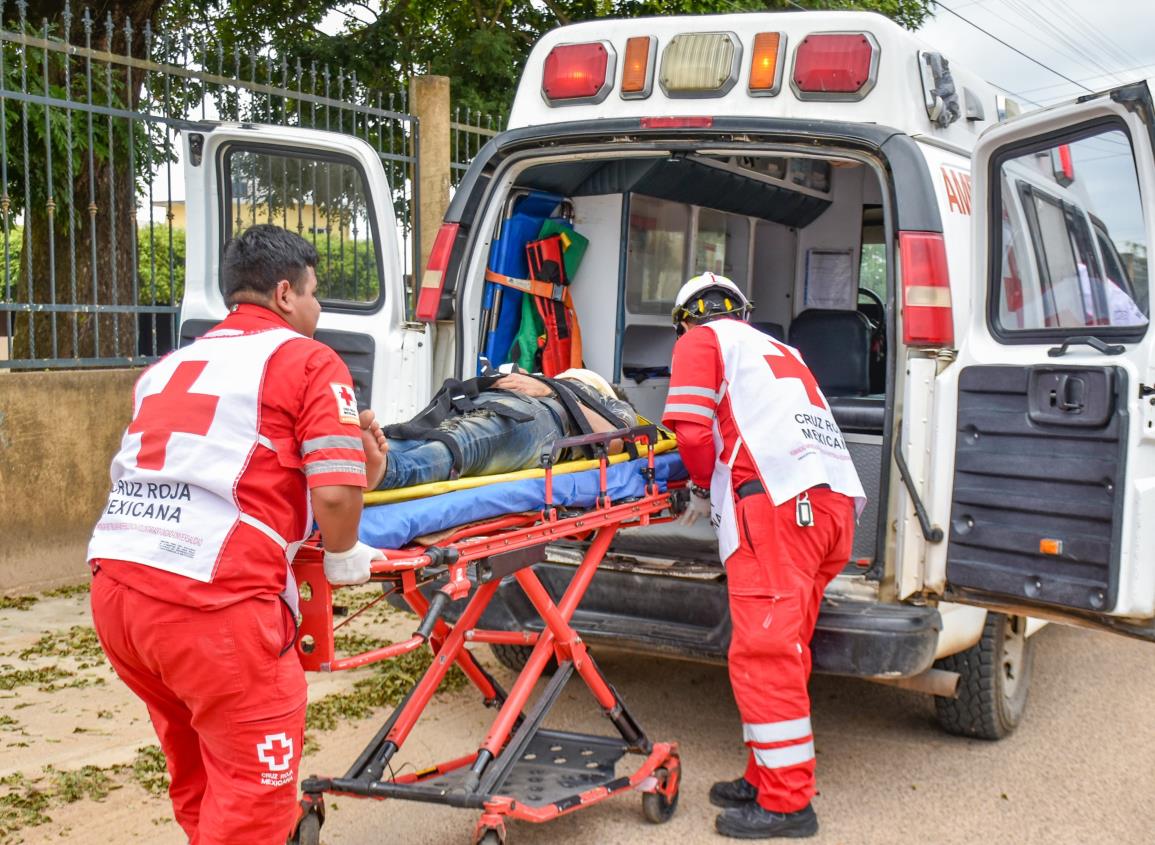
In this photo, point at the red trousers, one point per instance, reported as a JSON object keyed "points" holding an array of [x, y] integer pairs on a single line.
{"points": [[227, 700], [776, 579]]}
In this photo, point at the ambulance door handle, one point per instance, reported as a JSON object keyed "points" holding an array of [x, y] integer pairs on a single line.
{"points": [[1069, 394]]}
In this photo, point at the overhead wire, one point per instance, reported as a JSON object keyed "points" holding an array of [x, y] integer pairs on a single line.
{"points": [[1060, 41], [1011, 47]]}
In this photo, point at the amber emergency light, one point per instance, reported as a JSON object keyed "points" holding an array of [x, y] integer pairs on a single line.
{"points": [[638, 70], [766, 63]]}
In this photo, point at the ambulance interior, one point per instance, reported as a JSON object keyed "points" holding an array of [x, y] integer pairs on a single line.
{"points": [[802, 235]]}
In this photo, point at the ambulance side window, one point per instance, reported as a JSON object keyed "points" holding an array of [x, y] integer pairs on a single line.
{"points": [[1071, 246], [323, 199]]}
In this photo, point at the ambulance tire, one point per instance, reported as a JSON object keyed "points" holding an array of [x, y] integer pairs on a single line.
{"points": [[994, 679], [516, 656]]}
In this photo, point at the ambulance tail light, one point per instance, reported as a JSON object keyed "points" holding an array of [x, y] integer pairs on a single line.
{"points": [[577, 73], [766, 64], [433, 280], [1063, 165], [835, 66], [704, 122], [927, 316]]}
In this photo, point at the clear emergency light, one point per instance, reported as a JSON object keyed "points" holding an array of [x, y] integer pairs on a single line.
{"points": [[700, 64], [578, 73], [835, 66]]}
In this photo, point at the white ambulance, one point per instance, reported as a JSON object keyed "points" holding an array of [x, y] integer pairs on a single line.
{"points": [[955, 280]]}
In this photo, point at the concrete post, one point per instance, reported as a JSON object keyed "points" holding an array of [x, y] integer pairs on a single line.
{"points": [[429, 101]]}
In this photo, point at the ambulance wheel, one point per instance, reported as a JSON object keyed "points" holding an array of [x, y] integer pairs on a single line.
{"points": [[994, 678], [516, 656], [308, 831], [656, 807]]}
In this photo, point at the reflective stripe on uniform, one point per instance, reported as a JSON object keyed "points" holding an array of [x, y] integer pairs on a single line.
{"points": [[705, 392], [335, 441], [266, 442], [777, 731], [253, 522], [684, 408], [780, 758], [319, 467]]}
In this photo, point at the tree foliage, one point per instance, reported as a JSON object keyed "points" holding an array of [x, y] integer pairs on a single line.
{"points": [[481, 45]]}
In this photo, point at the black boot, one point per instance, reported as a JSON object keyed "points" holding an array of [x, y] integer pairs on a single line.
{"points": [[750, 821], [732, 793]]}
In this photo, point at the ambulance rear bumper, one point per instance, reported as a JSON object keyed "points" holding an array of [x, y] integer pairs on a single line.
{"points": [[688, 618]]}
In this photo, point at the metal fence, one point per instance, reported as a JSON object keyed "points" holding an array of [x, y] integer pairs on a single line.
{"points": [[91, 203], [469, 131]]}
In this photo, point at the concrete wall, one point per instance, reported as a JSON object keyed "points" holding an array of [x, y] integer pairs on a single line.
{"points": [[58, 433]]}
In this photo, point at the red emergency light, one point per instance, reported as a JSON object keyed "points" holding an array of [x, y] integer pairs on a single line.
{"points": [[835, 66], [576, 73], [433, 280], [927, 315]]}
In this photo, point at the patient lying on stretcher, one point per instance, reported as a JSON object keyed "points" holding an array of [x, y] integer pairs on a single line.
{"points": [[501, 425]]}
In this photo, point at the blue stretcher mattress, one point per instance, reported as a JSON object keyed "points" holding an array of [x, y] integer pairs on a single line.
{"points": [[393, 525]]}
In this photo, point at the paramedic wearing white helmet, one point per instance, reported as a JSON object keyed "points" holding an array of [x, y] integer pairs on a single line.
{"points": [[768, 463]]}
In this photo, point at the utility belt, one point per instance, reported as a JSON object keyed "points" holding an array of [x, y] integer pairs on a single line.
{"points": [[754, 487]]}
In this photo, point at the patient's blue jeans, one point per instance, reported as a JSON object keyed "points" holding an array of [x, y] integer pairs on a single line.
{"points": [[489, 443]]}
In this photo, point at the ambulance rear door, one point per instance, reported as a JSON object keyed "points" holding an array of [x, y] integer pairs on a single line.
{"points": [[1045, 423], [331, 189]]}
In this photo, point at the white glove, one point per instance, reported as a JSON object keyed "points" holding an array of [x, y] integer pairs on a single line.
{"points": [[696, 508], [352, 566]]}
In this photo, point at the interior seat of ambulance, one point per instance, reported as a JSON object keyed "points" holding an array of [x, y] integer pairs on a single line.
{"points": [[590, 253]]}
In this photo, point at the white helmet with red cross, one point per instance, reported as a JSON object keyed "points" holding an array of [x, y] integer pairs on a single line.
{"points": [[706, 297]]}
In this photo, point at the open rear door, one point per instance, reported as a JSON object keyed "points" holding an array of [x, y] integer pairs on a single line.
{"points": [[331, 189], [1046, 420]]}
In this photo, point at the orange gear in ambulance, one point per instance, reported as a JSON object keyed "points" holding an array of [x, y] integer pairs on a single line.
{"points": [[755, 431], [192, 596]]}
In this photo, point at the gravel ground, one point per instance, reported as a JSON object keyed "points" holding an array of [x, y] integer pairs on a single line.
{"points": [[1081, 769]]}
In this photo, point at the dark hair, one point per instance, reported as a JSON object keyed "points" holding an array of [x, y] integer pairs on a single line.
{"points": [[260, 257]]}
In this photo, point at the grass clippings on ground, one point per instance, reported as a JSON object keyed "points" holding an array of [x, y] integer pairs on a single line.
{"points": [[79, 641], [17, 602]]}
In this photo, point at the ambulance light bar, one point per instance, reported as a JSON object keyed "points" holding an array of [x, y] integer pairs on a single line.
{"points": [[835, 66], [578, 73], [766, 64], [700, 64]]}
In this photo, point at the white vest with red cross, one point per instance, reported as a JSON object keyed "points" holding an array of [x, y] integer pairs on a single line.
{"points": [[784, 422], [193, 430]]}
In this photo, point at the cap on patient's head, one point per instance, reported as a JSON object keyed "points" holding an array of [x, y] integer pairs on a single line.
{"points": [[590, 379]]}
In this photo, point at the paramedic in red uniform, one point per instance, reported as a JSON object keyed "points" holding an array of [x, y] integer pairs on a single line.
{"points": [[768, 463], [236, 443]]}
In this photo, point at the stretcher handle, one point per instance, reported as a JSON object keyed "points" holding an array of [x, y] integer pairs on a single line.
{"points": [[643, 433], [436, 608]]}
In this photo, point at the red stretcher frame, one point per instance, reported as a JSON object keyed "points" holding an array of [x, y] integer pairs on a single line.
{"points": [[475, 559]]}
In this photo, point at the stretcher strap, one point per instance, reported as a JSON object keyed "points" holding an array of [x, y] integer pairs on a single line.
{"points": [[533, 287], [424, 491]]}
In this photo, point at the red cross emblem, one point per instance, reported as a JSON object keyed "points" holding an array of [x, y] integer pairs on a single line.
{"points": [[787, 366], [173, 409], [275, 752], [346, 395]]}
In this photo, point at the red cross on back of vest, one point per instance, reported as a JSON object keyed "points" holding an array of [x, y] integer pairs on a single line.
{"points": [[787, 366], [174, 409]]}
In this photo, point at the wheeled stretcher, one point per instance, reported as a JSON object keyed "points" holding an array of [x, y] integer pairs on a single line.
{"points": [[520, 770]]}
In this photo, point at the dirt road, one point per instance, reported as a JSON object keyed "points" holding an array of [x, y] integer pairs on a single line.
{"points": [[1080, 770]]}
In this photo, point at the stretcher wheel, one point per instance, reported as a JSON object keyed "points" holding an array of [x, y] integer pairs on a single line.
{"points": [[656, 807], [308, 831], [491, 837]]}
